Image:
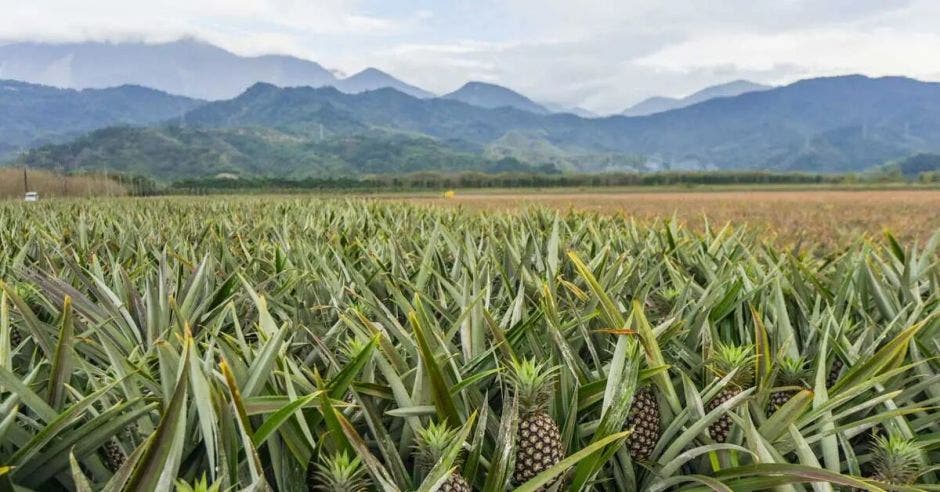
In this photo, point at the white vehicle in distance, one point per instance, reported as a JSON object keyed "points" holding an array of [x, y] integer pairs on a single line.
{"points": [[31, 196]]}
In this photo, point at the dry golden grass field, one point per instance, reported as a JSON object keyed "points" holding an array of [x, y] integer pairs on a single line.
{"points": [[51, 185], [811, 216]]}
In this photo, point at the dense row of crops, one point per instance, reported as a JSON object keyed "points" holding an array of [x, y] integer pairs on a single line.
{"points": [[352, 345]]}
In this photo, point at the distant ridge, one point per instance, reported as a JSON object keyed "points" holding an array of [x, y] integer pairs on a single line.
{"points": [[657, 104], [186, 67], [485, 95], [32, 114], [833, 124], [576, 110], [371, 79]]}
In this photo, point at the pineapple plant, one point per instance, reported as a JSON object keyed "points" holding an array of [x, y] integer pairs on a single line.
{"points": [[896, 461], [326, 300], [433, 441], [538, 440], [723, 361], [337, 473], [644, 419], [792, 373]]}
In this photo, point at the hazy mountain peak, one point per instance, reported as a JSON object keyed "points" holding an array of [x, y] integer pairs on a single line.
{"points": [[186, 66], [658, 104], [487, 95], [575, 110], [372, 78]]}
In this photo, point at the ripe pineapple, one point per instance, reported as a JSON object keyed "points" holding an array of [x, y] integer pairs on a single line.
{"points": [[114, 456], [538, 441], [433, 441], [792, 373], [724, 360], [896, 461], [337, 473], [644, 419]]}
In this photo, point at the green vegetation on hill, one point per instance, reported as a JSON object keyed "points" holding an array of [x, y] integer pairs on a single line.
{"points": [[535, 147], [838, 124], [32, 115], [923, 167], [172, 152], [831, 125]]}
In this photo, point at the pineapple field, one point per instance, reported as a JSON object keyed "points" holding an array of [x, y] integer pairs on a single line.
{"points": [[270, 343]]}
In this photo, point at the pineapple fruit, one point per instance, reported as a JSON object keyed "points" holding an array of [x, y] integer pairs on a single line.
{"points": [[337, 473], [15, 337], [433, 441], [792, 373], [538, 441], [834, 371], [644, 419], [724, 360], [114, 456]]}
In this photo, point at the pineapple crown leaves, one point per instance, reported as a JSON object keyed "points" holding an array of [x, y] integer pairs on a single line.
{"points": [[433, 441], [199, 485], [792, 371], [532, 383], [340, 473], [351, 347], [728, 358], [897, 460]]}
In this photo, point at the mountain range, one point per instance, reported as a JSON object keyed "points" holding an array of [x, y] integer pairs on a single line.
{"points": [[186, 67], [33, 115], [660, 104], [200, 70], [279, 115], [834, 124]]}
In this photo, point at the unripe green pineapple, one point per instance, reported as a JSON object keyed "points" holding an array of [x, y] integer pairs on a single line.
{"points": [[433, 442], [337, 473], [792, 373], [114, 456], [538, 441], [644, 419], [896, 460], [724, 360]]}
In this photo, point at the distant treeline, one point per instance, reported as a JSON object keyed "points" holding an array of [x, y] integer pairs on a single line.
{"points": [[430, 180], [88, 184]]}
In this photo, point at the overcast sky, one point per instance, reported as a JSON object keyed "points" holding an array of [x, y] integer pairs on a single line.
{"points": [[599, 54]]}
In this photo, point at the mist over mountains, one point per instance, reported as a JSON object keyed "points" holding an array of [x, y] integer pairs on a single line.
{"points": [[187, 67], [306, 122]]}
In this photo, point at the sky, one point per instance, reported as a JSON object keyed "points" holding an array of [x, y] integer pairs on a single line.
{"points": [[603, 55]]}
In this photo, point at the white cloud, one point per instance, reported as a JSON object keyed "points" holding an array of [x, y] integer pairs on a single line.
{"points": [[822, 51]]}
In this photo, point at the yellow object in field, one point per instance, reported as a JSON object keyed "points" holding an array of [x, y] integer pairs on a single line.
{"points": [[449, 194]]}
